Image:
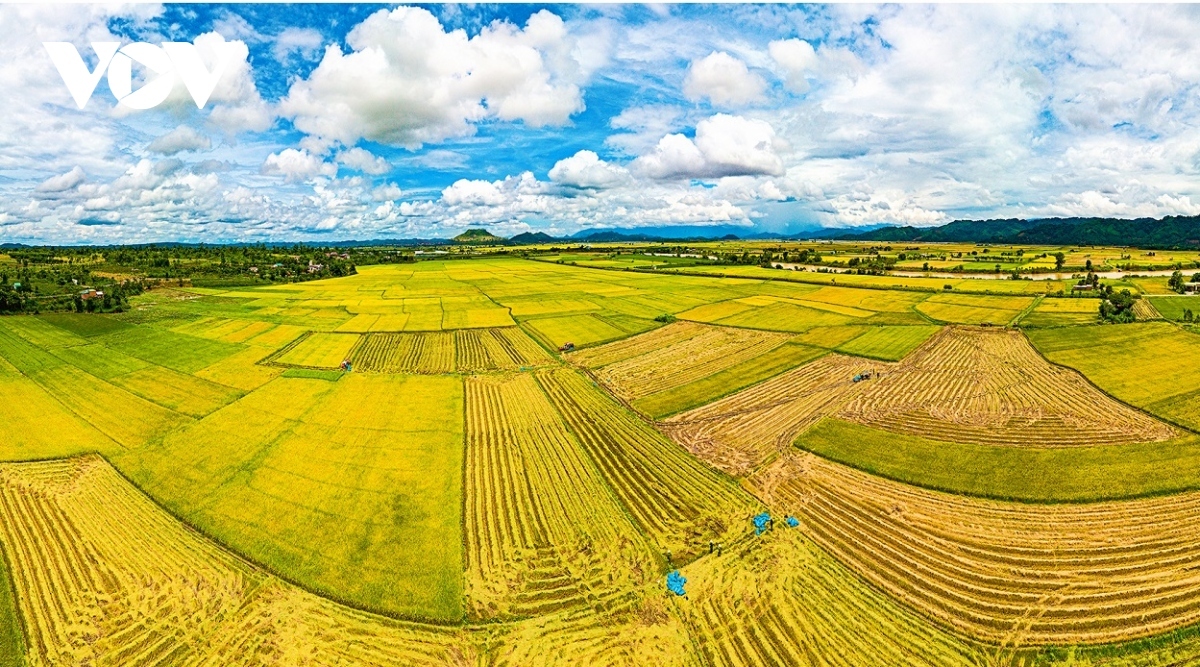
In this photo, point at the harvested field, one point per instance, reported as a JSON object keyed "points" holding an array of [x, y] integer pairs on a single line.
{"points": [[739, 432], [641, 633], [543, 533], [405, 353], [687, 353], [677, 500], [105, 577], [781, 600], [1144, 310], [991, 387], [464, 350], [1006, 573], [725, 382], [636, 346], [504, 348]]}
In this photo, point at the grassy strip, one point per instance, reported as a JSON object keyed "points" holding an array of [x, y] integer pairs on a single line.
{"points": [[706, 390], [1068, 474], [313, 374], [12, 641]]}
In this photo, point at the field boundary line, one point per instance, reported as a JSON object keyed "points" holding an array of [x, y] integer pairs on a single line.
{"points": [[1172, 422], [269, 360], [1021, 315], [826, 352]]}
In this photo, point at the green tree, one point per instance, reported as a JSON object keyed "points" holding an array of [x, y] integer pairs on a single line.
{"points": [[1176, 282], [1059, 260], [1118, 307]]}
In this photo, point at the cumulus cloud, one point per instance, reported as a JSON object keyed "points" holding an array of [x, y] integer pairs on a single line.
{"points": [[585, 169], [62, 182], [408, 82], [473, 193], [881, 207], [723, 79], [916, 114], [297, 165], [182, 138], [385, 192], [724, 145], [364, 161], [796, 60]]}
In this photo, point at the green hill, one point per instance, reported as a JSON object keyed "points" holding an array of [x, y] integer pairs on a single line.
{"points": [[477, 236]]}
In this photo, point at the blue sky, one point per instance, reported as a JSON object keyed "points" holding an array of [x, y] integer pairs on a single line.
{"points": [[390, 121]]}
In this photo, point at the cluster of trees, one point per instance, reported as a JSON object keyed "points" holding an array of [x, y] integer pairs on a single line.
{"points": [[43, 290], [46, 279], [1176, 282], [1118, 307]]}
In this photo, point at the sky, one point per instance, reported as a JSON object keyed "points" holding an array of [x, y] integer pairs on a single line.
{"points": [[368, 121]]}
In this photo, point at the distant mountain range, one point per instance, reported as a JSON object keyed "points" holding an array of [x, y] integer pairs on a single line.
{"points": [[1166, 233], [1169, 232]]}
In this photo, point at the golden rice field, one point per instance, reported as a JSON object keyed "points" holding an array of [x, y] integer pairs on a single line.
{"points": [[104, 577], [1011, 574], [991, 387], [195, 482], [544, 533], [681, 353]]}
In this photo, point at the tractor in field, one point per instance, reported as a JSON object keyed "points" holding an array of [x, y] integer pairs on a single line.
{"points": [[865, 375], [566, 347], [345, 366]]}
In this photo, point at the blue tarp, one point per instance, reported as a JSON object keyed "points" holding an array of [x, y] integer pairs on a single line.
{"points": [[792, 522], [675, 582], [760, 522]]}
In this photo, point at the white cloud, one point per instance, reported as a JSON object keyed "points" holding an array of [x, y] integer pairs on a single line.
{"points": [[303, 41], [386, 192], [236, 103], [297, 165], [364, 161], [182, 138], [725, 145], [408, 82], [723, 79], [643, 126], [62, 182], [796, 59], [585, 169], [882, 207], [473, 193]]}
